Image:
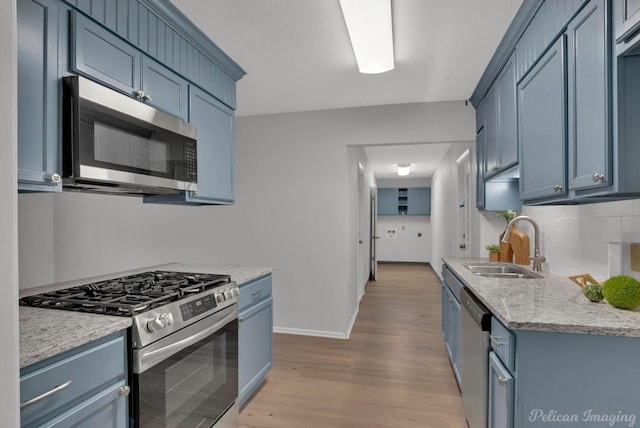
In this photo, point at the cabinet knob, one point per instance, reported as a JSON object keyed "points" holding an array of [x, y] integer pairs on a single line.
{"points": [[597, 177], [124, 391], [557, 188], [495, 168], [54, 178], [146, 97], [502, 380], [139, 93]]}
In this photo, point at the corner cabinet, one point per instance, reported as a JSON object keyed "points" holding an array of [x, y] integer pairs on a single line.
{"points": [[67, 390], [255, 336], [39, 153]]}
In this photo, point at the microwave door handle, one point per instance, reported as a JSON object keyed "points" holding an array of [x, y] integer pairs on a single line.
{"points": [[149, 359]]}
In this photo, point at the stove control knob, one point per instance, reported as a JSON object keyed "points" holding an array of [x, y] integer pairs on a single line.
{"points": [[220, 297], [228, 294], [235, 291], [167, 318], [159, 322]]}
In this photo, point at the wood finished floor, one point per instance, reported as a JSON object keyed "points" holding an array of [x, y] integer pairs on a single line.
{"points": [[392, 372]]}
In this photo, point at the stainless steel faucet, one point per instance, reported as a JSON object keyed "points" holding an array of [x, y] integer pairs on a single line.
{"points": [[537, 258]]}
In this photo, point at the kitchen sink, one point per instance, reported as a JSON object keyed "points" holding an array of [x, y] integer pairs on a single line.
{"points": [[502, 271]]}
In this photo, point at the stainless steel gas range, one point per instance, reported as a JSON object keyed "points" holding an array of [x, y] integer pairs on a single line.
{"points": [[183, 345]]}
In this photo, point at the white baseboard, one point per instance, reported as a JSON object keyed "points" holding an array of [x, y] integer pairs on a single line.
{"points": [[304, 332], [320, 333]]}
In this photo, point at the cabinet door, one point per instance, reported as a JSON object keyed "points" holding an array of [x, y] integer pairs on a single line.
{"points": [[480, 169], [38, 89], [444, 313], [419, 201], [627, 19], [542, 127], [454, 325], [507, 118], [100, 54], [387, 201], [590, 142], [453, 333], [491, 132], [164, 89], [106, 409], [214, 121], [500, 394], [255, 347]]}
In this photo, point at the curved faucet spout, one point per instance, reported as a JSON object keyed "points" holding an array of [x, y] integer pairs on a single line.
{"points": [[537, 258]]}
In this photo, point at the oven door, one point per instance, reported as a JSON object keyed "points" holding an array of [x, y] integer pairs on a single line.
{"points": [[190, 378]]}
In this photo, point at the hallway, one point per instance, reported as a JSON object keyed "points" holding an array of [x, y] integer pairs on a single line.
{"points": [[392, 372]]}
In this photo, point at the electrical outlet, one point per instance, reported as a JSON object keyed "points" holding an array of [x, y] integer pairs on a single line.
{"points": [[634, 257]]}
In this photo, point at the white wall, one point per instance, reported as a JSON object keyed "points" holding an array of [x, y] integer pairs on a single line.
{"points": [[405, 245], [295, 210], [9, 361]]}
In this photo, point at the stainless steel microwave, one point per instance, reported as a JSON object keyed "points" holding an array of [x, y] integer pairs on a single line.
{"points": [[116, 144]]}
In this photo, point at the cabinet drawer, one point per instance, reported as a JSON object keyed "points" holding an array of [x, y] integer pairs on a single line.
{"points": [[86, 371], [452, 282], [254, 291], [503, 343]]}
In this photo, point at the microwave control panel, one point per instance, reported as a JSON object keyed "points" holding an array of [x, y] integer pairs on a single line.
{"points": [[190, 161]]}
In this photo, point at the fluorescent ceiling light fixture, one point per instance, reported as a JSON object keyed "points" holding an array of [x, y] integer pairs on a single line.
{"points": [[404, 169], [371, 33]]}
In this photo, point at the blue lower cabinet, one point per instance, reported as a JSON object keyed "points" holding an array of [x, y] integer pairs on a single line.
{"points": [[68, 390], [255, 331]]}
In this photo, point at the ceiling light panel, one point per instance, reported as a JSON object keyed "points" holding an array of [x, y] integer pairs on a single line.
{"points": [[371, 33]]}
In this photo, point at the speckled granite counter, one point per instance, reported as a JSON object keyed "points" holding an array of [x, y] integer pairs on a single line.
{"points": [[48, 332], [552, 303]]}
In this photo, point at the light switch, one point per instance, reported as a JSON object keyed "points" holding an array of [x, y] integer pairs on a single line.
{"points": [[635, 257], [403, 228]]}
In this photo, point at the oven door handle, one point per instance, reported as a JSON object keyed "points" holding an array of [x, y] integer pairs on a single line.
{"points": [[149, 358]]}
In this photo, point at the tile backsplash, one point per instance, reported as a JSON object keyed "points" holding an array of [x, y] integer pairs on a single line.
{"points": [[591, 238]]}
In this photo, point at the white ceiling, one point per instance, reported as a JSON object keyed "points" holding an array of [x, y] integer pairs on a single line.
{"points": [[298, 58], [424, 159]]}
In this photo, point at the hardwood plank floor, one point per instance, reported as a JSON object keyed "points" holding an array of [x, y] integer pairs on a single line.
{"points": [[392, 372]]}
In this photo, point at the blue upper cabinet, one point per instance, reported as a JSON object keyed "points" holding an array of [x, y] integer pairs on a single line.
{"points": [[589, 114], [419, 201], [627, 24], [97, 53], [39, 162], [164, 89], [501, 134], [404, 201], [541, 127], [107, 58], [216, 183], [160, 31], [387, 201]]}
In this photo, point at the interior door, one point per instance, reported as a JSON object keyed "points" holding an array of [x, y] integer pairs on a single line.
{"points": [[464, 205], [373, 269]]}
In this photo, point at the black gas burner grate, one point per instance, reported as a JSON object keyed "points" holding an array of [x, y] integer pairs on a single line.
{"points": [[129, 295]]}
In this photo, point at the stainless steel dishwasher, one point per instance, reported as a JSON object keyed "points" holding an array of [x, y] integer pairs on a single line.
{"points": [[475, 321]]}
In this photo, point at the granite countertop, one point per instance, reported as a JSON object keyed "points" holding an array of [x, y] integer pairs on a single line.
{"points": [[45, 333], [552, 303]]}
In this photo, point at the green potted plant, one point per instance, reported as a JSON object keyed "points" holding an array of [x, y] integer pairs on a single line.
{"points": [[494, 252]]}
